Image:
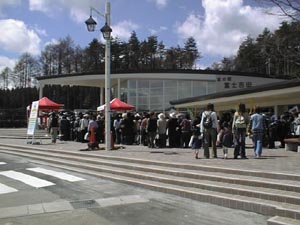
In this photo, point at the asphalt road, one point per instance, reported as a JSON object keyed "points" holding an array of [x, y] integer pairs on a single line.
{"points": [[91, 201]]}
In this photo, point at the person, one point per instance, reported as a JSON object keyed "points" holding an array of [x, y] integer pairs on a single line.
{"points": [[173, 131], [64, 127], [117, 127], [100, 119], [195, 142], [283, 129], [83, 124], [295, 124], [143, 129], [226, 139], [92, 130], [239, 128], [127, 125], [161, 130], [152, 130], [256, 129], [186, 130], [209, 126], [53, 127]]}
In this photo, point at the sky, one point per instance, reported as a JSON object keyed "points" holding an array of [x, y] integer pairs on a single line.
{"points": [[218, 26]]}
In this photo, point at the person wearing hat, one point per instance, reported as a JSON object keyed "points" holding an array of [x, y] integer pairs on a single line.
{"points": [[173, 131], [161, 130]]}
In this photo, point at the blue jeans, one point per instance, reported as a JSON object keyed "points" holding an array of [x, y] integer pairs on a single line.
{"points": [[257, 141], [239, 142]]}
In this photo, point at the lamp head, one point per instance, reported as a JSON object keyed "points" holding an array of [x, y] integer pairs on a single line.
{"points": [[90, 24], [106, 31]]}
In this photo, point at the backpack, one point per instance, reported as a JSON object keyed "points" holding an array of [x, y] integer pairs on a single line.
{"points": [[240, 121], [186, 125], [227, 139], [54, 122], [207, 122]]}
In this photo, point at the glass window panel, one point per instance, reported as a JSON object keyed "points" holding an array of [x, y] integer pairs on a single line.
{"points": [[156, 100], [199, 88], [143, 100], [156, 83], [171, 91], [156, 91], [211, 87], [143, 91], [171, 83], [154, 107], [184, 89], [131, 93], [132, 84], [143, 108], [143, 83]]}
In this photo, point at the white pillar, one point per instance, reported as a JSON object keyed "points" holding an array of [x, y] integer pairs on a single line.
{"points": [[119, 88], [41, 87], [101, 96], [107, 84]]}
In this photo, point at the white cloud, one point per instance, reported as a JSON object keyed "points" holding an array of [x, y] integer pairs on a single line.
{"points": [[225, 25], [4, 3], [124, 29], [78, 10], [17, 37], [160, 3], [156, 32], [6, 62]]}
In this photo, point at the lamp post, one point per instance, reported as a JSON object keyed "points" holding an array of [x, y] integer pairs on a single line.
{"points": [[106, 31]]}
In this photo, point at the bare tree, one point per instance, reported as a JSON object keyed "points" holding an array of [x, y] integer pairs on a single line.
{"points": [[289, 8], [5, 77]]}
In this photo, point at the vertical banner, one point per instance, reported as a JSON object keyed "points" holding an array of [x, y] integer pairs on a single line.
{"points": [[33, 118]]}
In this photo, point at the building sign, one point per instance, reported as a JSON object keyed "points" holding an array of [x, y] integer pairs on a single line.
{"points": [[33, 118], [229, 83]]}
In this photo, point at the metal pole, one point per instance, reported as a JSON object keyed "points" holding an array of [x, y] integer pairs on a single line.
{"points": [[107, 84]]}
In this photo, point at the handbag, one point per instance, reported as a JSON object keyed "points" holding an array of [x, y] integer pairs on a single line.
{"points": [[87, 136]]}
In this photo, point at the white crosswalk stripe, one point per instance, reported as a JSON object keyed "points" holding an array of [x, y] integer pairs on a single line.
{"points": [[2, 163], [6, 189], [27, 179], [60, 175]]}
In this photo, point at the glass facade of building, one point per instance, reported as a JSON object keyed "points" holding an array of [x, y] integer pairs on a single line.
{"points": [[155, 95]]}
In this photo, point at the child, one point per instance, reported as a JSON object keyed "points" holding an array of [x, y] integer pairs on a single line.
{"points": [[227, 139], [195, 142]]}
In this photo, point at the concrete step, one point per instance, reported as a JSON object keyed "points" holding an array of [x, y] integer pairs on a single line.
{"points": [[195, 173], [278, 220], [265, 207], [223, 170], [233, 181], [217, 186], [268, 196]]}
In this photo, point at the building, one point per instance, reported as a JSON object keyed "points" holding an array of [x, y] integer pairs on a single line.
{"points": [[154, 90], [280, 96]]}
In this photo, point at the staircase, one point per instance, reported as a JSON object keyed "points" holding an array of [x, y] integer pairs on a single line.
{"points": [[18, 133], [269, 193]]}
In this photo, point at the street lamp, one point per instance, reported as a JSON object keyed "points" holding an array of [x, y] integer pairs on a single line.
{"points": [[106, 31]]}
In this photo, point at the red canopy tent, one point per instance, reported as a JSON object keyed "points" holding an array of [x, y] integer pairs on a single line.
{"points": [[45, 104], [117, 105]]}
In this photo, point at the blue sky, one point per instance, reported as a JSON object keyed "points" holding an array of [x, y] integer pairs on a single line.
{"points": [[218, 26]]}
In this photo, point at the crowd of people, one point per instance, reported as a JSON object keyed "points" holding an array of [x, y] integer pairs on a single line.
{"points": [[179, 130]]}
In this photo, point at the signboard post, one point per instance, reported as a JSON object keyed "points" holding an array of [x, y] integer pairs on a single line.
{"points": [[33, 120]]}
